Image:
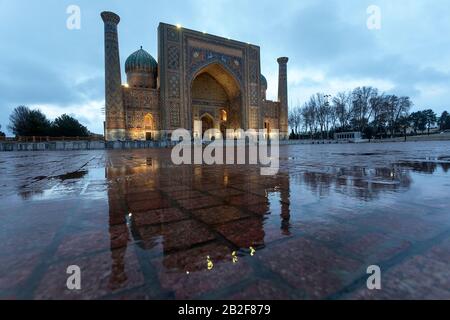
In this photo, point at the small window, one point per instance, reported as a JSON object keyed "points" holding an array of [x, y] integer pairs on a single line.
{"points": [[148, 122], [223, 115]]}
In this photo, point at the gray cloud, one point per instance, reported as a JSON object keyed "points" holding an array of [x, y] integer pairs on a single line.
{"points": [[43, 63]]}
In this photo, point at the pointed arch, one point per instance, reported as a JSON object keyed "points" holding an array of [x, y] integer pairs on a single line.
{"points": [[222, 74], [149, 123], [215, 89]]}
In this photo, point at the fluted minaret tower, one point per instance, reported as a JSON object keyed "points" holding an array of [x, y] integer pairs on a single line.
{"points": [[283, 96], [114, 111]]}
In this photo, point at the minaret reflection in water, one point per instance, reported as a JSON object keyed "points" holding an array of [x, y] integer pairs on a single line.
{"points": [[186, 213]]}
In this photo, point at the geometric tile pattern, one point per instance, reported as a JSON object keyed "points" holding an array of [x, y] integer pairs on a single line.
{"points": [[254, 95], [174, 85], [253, 72], [173, 58], [174, 114], [173, 34]]}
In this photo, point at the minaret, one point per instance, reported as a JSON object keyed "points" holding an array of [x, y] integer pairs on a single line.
{"points": [[114, 111], [283, 96]]}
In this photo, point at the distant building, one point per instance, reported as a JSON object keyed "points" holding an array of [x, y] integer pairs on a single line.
{"points": [[199, 82], [354, 136]]}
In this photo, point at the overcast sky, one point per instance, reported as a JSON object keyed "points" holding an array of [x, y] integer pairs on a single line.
{"points": [[45, 65]]}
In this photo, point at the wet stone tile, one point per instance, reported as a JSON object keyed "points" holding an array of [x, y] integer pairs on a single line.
{"points": [[92, 215], [263, 290], [95, 188], [184, 194], [143, 196], [218, 215], [260, 208], [102, 274], [197, 203], [148, 236], [82, 243], [246, 199], [175, 187], [150, 204], [207, 187], [276, 229], [195, 259], [15, 270], [375, 247], [197, 284], [331, 233], [33, 230], [158, 216], [140, 293], [439, 251], [244, 233], [310, 266], [417, 277], [402, 225], [184, 234], [225, 192]]}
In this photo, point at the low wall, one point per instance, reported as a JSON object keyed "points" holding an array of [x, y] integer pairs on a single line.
{"points": [[101, 145], [80, 145], [307, 141]]}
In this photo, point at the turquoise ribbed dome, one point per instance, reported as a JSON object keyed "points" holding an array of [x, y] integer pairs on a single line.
{"points": [[141, 61], [263, 81]]}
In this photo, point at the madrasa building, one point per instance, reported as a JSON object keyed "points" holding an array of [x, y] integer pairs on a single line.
{"points": [[199, 82]]}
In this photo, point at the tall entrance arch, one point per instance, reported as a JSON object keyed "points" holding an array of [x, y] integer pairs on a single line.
{"points": [[207, 123], [216, 101], [190, 62]]}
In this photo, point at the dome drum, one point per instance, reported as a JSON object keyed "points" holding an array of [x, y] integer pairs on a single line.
{"points": [[141, 69]]}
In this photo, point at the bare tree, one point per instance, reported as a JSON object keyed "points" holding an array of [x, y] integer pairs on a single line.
{"points": [[396, 108], [361, 106], [342, 103], [333, 117], [309, 117], [362, 109], [294, 119], [318, 101]]}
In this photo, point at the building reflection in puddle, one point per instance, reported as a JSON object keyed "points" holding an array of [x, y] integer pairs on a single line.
{"points": [[190, 215], [358, 182], [429, 166], [74, 208]]}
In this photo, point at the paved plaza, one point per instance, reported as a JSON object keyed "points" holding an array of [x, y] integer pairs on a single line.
{"points": [[140, 227]]}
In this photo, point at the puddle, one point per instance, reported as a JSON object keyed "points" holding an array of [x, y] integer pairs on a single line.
{"points": [[212, 227], [72, 175]]}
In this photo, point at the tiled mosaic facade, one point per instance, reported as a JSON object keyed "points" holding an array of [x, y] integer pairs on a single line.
{"points": [[174, 92]]}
